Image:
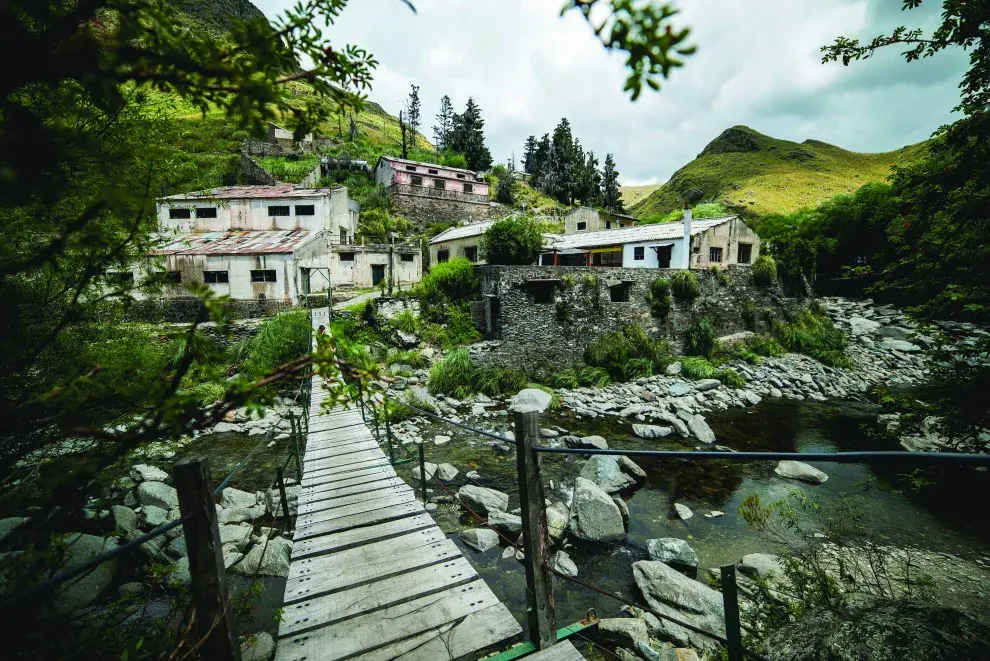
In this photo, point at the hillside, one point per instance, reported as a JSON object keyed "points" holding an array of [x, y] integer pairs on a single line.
{"points": [[633, 194], [753, 174], [217, 14]]}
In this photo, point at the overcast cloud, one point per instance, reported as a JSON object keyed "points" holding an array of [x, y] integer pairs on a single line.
{"points": [[758, 63]]}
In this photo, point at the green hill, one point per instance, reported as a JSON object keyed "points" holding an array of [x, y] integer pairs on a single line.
{"points": [[753, 174]]}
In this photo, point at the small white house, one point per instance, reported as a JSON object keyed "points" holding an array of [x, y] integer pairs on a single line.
{"points": [[463, 241]]}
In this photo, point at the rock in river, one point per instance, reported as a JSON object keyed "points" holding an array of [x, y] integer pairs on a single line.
{"points": [[652, 431], [531, 399], [594, 517], [482, 500], [590, 442], [505, 523], [563, 563], [700, 429], [798, 470], [84, 590], [611, 473], [269, 557], [675, 552], [480, 539], [683, 511], [671, 593], [157, 494]]}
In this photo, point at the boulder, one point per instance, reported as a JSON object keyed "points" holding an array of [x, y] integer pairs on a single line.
{"points": [[762, 565], [80, 592], [675, 552], [231, 497], [130, 590], [896, 332], [273, 499], [241, 514], [530, 399], [623, 631], [683, 511], [480, 539], [591, 442], [482, 500], [798, 470], [125, 520], [631, 468], [441, 439], [680, 389], [605, 471], [446, 472], [558, 518], [750, 397], [146, 473], [153, 516], [594, 517], [236, 536], [176, 548], [704, 385], [862, 326], [259, 647], [178, 574], [158, 495], [652, 431], [269, 557], [898, 345], [623, 510], [508, 524], [700, 429], [7, 525], [671, 593], [563, 563], [674, 368], [228, 428]]}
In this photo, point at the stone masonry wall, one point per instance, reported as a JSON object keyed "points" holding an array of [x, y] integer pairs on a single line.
{"points": [[554, 334], [186, 309], [426, 206], [253, 173]]}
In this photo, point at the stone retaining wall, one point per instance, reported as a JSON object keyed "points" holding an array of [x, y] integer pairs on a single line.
{"points": [[184, 310], [578, 308], [428, 205]]}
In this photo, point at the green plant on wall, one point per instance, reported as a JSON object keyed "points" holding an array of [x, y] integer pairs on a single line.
{"points": [[565, 311], [685, 286], [567, 280], [699, 338], [659, 297], [590, 281], [748, 314], [764, 271]]}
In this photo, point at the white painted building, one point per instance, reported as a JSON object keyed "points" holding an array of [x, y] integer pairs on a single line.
{"points": [[463, 241]]}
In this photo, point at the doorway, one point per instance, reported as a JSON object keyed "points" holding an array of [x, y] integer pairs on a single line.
{"points": [[377, 274]]}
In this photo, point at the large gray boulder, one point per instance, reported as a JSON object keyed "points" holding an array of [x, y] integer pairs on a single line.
{"points": [[259, 647], [652, 431], [680, 389], [762, 565], [146, 473], [236, 536], [671, 593], [594, 517], [798, 470], [84, 590], [605, 471], [563, 563], [505, 523], [480, 539], [675, 552], [241, 514], [269, 557], [157, 494], [623, 631], [153, 516], [700, 429], [531, 399], [862, 326], [231, 497], [558, 518], [483, 500], [587, 442], [891, 344], [125, 520]]}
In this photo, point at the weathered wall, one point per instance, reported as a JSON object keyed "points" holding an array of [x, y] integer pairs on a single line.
{"points": [[427, 205], [455, 248], [253, 173], [594, 220], [357, 270], [184, 310], [238, 268], [554, 334], [727, 236]]}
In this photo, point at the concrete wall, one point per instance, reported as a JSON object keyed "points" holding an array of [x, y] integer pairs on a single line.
{"points": [[357, 271], [727, 236], [426, 206], [253, 174], [186, 309], [554, 334], [238, 268], [594, 220], [455, 248]]}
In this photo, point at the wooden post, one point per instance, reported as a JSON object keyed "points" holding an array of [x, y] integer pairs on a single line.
{"points": [[422, 469], [214, 621], [280, 474], [730, 602], [536, 545], [388, 434]]}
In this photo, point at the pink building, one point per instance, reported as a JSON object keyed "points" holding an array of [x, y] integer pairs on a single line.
{"points": [[392, 171]]}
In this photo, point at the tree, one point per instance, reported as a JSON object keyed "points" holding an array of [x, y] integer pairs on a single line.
{"points": [[467, 137], [516, 240], [611, 197], [529, 153], [403, 131], [505, 184], [414, 112], [445, 124]]}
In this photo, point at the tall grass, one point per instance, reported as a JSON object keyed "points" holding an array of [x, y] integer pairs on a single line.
{"points": [[699, 338], [629, 354], [764, 271], [659, 297], [280, 339], [454, 375], [813, 335], [685, 286], [497, 381]]}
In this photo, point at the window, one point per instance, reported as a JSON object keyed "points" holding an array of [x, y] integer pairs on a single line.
{"points": [[639, 253], [715, 255], [439, 183], [471, 253], [215, 277], [696, 248], [263, 275], [305, 209], [407, 257], [206, 212], [619, 293], [432, 171], [173, 277], [460, 176], [582, 226], [417, 180], [411, 168], [745, 253], [443, 256], [179, 213], [278, 211], [347, 257], [343, 236], [468, 188]]}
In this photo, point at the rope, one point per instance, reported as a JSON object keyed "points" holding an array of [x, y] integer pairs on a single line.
{"points": [[497, 437], [839, 457]]}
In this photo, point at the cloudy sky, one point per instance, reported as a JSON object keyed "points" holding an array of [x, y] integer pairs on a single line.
{"points": [[758, 64]]}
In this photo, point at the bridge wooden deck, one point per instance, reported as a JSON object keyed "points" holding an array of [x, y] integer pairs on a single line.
{"points": [[372, 577]]}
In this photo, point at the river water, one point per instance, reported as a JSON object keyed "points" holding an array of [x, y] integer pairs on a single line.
{"points": [[946, 518]]}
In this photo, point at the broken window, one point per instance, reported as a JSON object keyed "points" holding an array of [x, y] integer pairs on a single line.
{"points": [[432, 171], [417, 180], [173, 277], [443, 255], [206, 212], [542, 290], [471, 253], [346, 257], [745, 253], [460, 176], [263, 275], [439, 183], [179, 213], [468, 188], [278, 211], [305, 210], [215, 277], [715, 255], [582, 226], [407, 257], [411, 168], [618, 292], [639, 253]]}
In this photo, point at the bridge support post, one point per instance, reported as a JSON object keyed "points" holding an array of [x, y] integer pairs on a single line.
{"points": [[536, 544]]}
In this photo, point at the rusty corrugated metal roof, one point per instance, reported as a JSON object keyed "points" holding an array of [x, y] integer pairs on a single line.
{"points": [[251, 192], [251, 242]]}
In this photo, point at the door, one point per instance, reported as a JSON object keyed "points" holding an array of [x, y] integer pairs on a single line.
{"points": [[663, 256], [377, 274]]}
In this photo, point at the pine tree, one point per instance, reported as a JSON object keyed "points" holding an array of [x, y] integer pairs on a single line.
{"points": [[540, 161], [414, 112], [467, 137], [444, 125], [563, 163], [402, 130], [529, 152], [592, 184], [611, 199]]}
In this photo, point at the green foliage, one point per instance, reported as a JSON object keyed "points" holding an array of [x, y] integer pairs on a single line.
{"points": [[453, 159], [279, 340], [452, 281], [291, 168], [748, 314], [565, 379], [565, 311], [764, 271], [467, 137], [556, 401], [593, 377], [516, 239], [411, 358], [659, 297], [700, 212], [765, 345], [731, 378], [698, 367], [628, 354], [814, 335], [405, 321], [685, 286], [452, 327], [502, 184], [699, 338], [498, 381], [453, 375]]}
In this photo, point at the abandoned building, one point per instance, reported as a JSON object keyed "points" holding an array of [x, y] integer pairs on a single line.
{"points": [[587, 219], [463, 241], [361, 266], [713, 242], [279, 141], [428, 193]]}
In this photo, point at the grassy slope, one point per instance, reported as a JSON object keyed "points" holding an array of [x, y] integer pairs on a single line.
{"points": [[754, 175], [633, 194]]}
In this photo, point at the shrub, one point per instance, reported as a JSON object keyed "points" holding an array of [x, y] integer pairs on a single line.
{"points": [[764, 271], [450, 281], [749, 314], [731, 378], [567, 281], [699, 338], [809, 333], [659, 297], [566, 378], [765, 345], [454, 375], [411, 358], [593, 377], [279, 340], [614, 353], [512, 240], [636, 368], [453, 159], [685, 286], [497, 381], [565, 311], [405, 321], [698, 367]]}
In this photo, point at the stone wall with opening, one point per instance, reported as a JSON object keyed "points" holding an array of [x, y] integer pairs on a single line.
{"points": [[544, 316]]}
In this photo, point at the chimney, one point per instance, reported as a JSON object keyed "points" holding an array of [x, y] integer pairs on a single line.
{"points": [[687, 237]]}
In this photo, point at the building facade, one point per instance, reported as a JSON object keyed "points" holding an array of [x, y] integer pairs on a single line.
{"points": [[360, 266], [463, 241], [586, 219], [429, 193]]}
